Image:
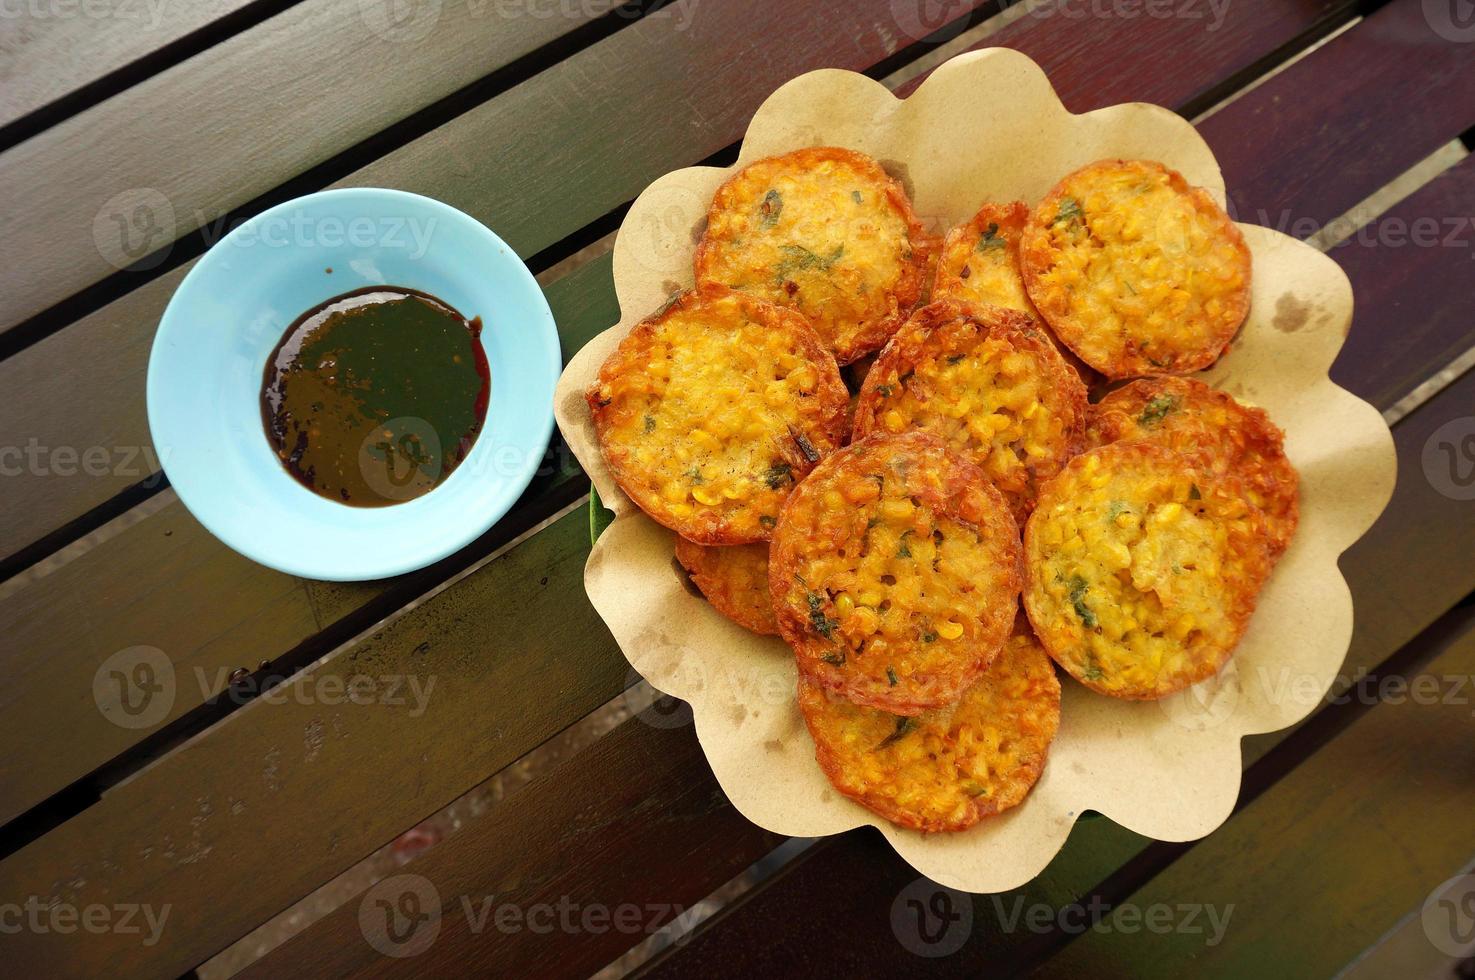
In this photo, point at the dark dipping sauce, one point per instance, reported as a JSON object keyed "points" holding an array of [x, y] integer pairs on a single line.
{"points": [[375, 396]]}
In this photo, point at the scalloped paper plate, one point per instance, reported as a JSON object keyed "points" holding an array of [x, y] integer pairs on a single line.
{"points": [[988, 126]]}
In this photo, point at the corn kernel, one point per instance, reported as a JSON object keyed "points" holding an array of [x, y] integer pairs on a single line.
{"points": [[897, 510]]}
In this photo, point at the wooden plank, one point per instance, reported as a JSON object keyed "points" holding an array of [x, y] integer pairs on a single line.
{"points": [[587, 851], [321, 779], [661, 94], [1096, 847], [245, 115], [129, 591], [1366, 829], [583, 304], [699, 841], [1224, 47], [105, 803], [1370, 104], [230, 110], [48, 51], [1425, 238]]}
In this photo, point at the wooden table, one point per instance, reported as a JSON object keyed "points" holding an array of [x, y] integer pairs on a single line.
{"points": [[129, 142]]}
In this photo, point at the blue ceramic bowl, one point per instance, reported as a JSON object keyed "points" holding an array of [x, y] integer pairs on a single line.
{"points": [[205, 376]]}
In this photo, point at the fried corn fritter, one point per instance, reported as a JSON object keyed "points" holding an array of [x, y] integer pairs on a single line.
{"points": [[734, 580], [1143, 569], [894, 572], [979, 265], [989, 383], [979, 262], [1136, 271], [712, 410], [823, 231], [948, 768], [1189, 417]]}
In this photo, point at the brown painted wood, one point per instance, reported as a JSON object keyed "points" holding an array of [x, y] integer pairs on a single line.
{"points": [[847, 884], [46, 57], [226, 126], [1369, 826], [1372, 103], [1426, 238], [1164, 60], [697, 841], [1389, 353], [534, 164], [589, 838]]}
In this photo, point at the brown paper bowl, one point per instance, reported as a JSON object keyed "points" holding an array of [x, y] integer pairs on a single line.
{"points": [[988, 126]]}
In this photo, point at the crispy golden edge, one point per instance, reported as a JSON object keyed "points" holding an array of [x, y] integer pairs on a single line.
{"points": [[1240, 602], [915, 274], [961, 243], [966, 496], [1037, 259], [928, 334], [1023, 661], [715, 572], [1251, 446], [957, 249], [829, 405]]}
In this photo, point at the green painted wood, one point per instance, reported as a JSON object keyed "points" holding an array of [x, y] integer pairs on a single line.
{"points": [[583, 304], [302, 783], [242, 117], [1361, 835], [660, 94], [166, 583], [575, 847], [49, 51]]}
